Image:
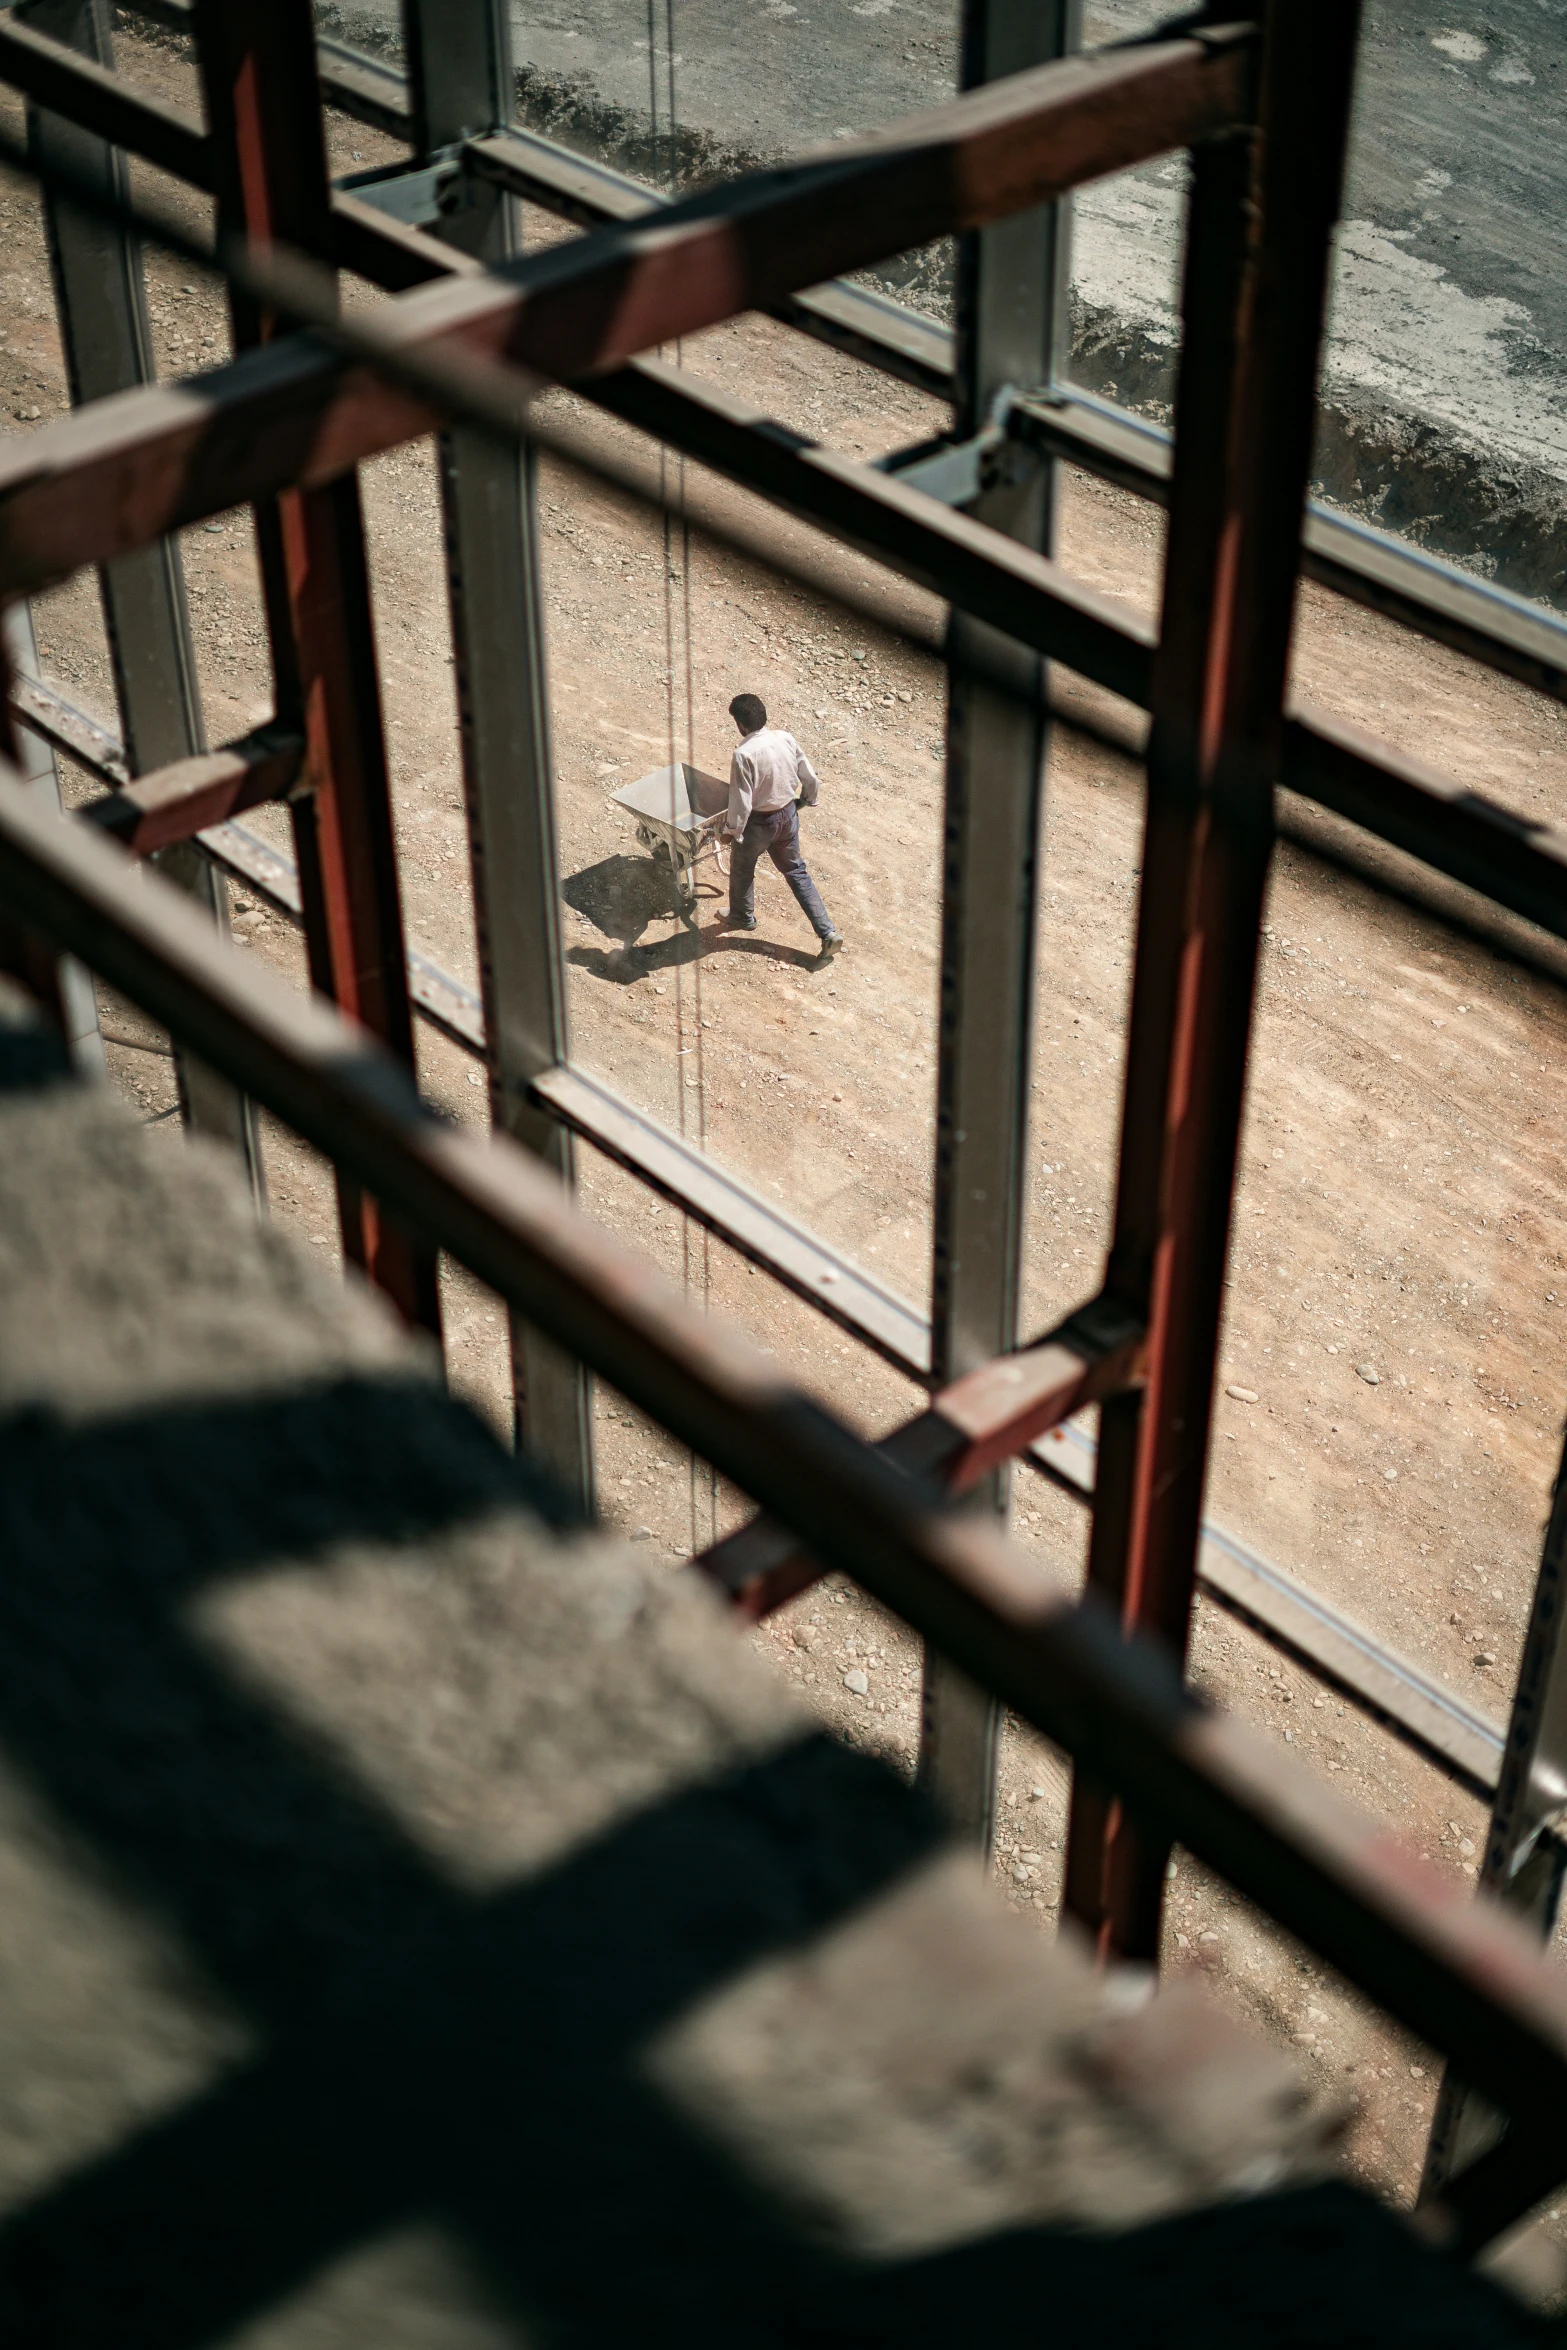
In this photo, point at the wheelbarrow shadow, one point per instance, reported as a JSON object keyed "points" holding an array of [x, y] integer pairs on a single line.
{"points": [[622, 896]]}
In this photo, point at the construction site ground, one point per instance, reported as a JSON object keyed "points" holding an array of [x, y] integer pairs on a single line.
{"points": [[1392, 1364]]}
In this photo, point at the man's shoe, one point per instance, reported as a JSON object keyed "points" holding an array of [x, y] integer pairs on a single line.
{"points": [[831, 944], [739, 921]]}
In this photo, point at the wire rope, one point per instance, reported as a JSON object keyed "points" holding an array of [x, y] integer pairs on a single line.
{"points": [[702, 1480]]}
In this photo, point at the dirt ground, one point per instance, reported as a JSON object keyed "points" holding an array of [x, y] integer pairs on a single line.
{"points": [[1393, 1352]]}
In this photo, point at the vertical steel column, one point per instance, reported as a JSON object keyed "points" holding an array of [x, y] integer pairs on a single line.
{"points": [[258, 68], [69, 984], [1524, 1858], [100, 300], [461, 82], [1012, 285], [1263, 208]]}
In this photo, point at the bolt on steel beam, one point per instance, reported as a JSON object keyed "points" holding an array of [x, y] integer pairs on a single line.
{"points": [[1260, 225], [258, 69], [1011, 312]]}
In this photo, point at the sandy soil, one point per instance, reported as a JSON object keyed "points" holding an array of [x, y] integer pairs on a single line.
{"points": [[1400, 1210]]}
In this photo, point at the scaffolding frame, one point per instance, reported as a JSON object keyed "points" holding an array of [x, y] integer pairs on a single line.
{"points": [[470, 330]]}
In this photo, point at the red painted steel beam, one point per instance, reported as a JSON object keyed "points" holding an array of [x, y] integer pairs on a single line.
{"points": [[178, 801], [132, 469], [1258, 253], [970, 1428], [258, 66]]}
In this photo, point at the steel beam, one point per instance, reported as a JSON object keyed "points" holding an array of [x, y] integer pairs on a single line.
{"points": [[1368, 566], [854, 319], [175, 803], [752, 1226], [461, 83], [1011, 305], [101, 306], [1258, 254], [257, 62], [955, 1445]]}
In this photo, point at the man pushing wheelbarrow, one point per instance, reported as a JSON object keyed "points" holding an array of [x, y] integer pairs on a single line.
{"points": [[769, 777]]}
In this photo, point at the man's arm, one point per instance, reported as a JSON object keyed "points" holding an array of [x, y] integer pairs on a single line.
{"points": [[741, 786], [809, 786]]}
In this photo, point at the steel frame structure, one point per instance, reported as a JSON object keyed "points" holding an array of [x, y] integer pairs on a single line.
{"points": [[472, 329]]}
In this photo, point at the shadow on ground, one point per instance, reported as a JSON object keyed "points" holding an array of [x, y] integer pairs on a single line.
{"points": [[622, 896], [425, 2055]]}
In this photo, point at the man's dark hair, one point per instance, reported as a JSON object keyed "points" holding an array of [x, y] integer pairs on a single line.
{"points": [[748, 711]]}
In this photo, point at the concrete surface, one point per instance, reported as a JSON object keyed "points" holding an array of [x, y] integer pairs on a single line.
{"points": [[421, 1928]]}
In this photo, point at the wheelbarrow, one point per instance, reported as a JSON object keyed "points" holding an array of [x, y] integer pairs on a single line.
{"points": [[678, 814]]}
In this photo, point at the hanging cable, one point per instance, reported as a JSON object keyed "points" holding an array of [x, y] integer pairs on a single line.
{"points": [[702, 1481]]}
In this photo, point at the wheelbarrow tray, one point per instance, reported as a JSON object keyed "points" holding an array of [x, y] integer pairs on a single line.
{"points": [[680, 802]]}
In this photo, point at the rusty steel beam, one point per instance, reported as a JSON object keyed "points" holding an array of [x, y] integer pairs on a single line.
{"points": [[1258, 257], [258, 75], [854, 319], [1458, 1974], [178, 801], [299, 414], [973, 1426]]}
